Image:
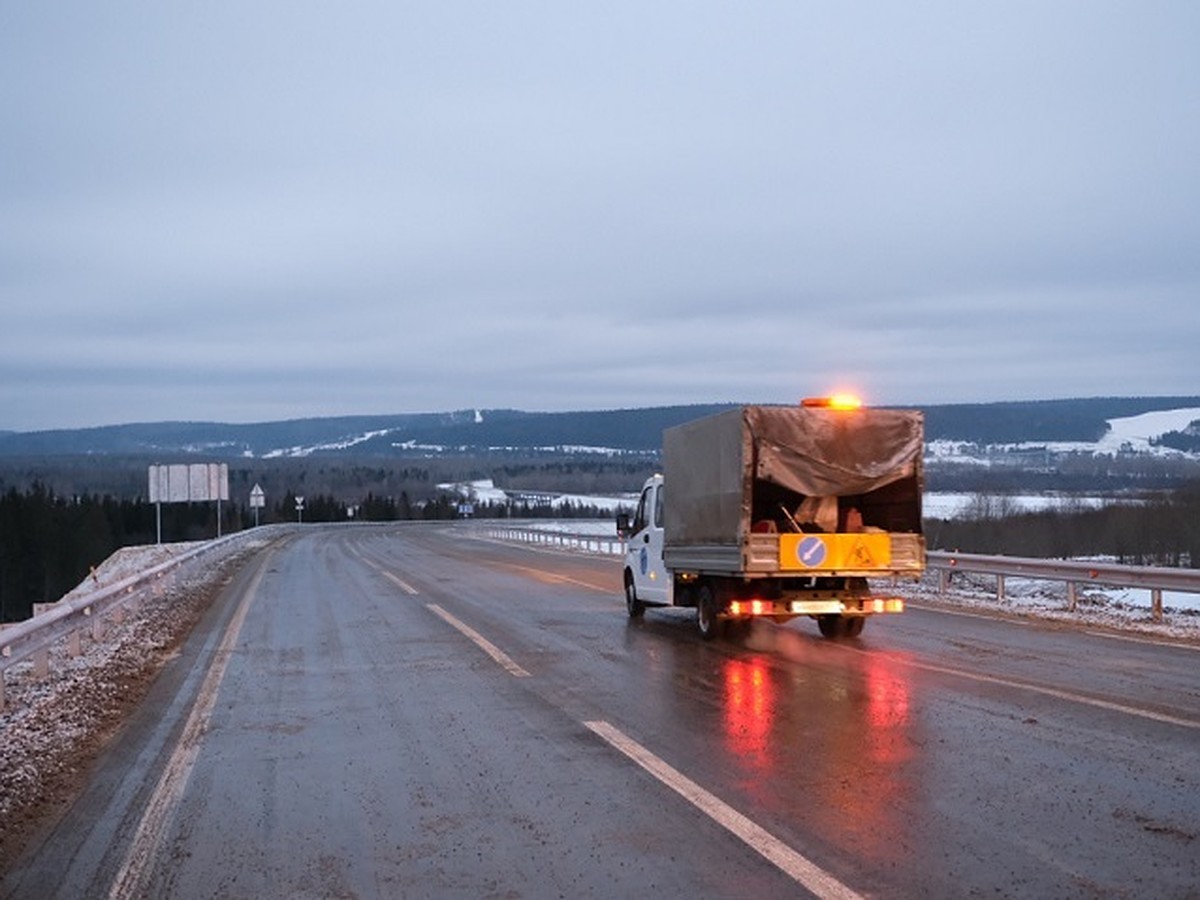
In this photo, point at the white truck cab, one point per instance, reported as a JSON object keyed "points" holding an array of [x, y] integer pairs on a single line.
{"points": [[647, 581]]}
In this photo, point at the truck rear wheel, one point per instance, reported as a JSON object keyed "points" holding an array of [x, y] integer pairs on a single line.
{"points": [[707, 621], [633, 605], [841, 626]]}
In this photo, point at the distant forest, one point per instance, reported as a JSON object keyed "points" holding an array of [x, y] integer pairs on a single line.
{"points": [[49, 542], [1163, 529]]}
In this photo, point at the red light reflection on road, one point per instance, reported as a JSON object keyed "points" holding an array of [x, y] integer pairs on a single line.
{"points": [[832, 739], [887, 712], [887, 696], [748, 710]]}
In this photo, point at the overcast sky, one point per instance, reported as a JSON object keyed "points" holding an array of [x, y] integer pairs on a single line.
{"points": [[246, 211]]}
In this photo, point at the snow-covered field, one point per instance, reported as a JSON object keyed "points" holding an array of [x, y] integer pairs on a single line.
{"points": [[1133, 434], [954, 505]]}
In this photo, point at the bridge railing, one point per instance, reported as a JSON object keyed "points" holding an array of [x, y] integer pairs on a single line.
{"points": [[1154, 579], [610, 545], [68, 619], [1074, 574]]}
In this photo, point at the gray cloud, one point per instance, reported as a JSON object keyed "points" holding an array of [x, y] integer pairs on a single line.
{"points": [[298, 209]]}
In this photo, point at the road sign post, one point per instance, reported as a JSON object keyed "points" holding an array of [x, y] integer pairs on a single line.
{"points": [[258, 500], [188, 483]]}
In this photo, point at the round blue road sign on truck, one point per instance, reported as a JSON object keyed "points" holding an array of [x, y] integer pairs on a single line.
{"points": [[811, 551]]}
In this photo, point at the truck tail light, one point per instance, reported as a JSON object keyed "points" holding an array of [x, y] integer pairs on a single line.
{"points": [[748, 608]]}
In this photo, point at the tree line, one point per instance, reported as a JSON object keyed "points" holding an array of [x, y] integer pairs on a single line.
{"points": [[1162, 529], [50, 542]]}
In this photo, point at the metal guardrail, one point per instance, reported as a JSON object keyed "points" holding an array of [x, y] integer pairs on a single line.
{"points": [[1155, 579], [588, 543], [68, 619]]}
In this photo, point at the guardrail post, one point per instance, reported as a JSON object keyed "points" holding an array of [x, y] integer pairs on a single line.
{"points": [[97, 626], [1072, 595], [1000, 588], [1156, 609], [943, 579], [41, 663], [74, 645], [1, 690]]}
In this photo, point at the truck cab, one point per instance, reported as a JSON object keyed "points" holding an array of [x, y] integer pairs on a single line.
{"points": [[646, 579]]}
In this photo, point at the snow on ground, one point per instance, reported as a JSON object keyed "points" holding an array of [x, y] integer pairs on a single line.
{"points": [[1132, 434], [344, 444], [51, 726], [1136, 432], [953, 505], [484, 490], [1119, 609], [127, 562], [590, 527]]}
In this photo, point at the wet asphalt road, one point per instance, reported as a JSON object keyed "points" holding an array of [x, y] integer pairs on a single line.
{"points": [[399, 711]]}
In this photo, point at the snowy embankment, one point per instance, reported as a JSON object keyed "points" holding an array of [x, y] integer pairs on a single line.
{"points": [[52, 726]]}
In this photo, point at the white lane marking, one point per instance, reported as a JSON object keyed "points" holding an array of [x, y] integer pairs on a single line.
{"points": [[152, 828], [554, 578], [395, 579], [1057, 694], [799, 868], [968, 615], [399, 582], [1054, 692], [1174, 645], [480, 641]]}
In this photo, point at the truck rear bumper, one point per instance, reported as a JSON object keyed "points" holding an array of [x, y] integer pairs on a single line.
{"points": [[864, 606]]}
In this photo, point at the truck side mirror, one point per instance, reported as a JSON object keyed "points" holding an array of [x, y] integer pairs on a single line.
{"points": [[622, 524]]}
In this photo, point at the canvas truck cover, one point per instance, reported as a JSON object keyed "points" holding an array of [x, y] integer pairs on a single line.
{"points": [[709, 465]]}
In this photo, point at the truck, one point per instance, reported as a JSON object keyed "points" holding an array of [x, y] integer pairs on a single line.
{"points": [[780, 511]]}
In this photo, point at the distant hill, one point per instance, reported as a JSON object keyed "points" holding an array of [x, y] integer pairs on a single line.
{"points": [[1053, 421], [476, 431], [365, 436]]}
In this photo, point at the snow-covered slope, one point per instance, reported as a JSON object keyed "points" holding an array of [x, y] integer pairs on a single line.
{"points": [[1132, 435]]}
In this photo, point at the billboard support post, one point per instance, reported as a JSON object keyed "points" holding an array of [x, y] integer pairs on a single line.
{"points": [[188, 483]]}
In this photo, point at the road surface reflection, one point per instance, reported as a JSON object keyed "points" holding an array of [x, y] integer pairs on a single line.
{"points": [[823, 733]]}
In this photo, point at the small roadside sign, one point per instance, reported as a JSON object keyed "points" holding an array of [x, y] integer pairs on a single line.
{"points": [[258, 500]]}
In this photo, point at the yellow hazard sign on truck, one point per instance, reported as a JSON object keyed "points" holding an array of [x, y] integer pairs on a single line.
{"points": [[835, 552]]}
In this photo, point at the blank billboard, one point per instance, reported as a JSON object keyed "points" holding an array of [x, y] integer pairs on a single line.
{"points": [[194, 483]]}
